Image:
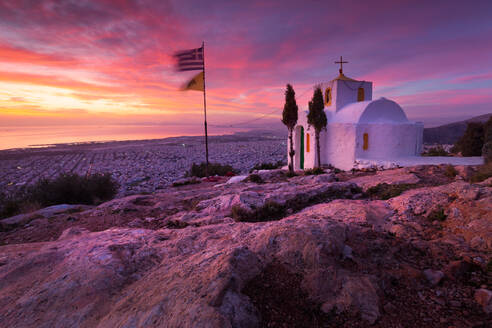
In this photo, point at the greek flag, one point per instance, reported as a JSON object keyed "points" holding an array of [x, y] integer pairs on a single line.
{"points": [[190, 60]]}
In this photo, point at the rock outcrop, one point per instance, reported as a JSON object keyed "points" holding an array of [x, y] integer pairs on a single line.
{"points": [[335, 259]]}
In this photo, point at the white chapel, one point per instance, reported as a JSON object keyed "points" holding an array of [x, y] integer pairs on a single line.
{"points": [[359, 128]]}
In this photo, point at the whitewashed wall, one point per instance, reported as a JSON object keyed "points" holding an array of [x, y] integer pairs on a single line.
{"points": [[420, 136], [346, 92], [310, 157], [388, 141], [339, 145]]}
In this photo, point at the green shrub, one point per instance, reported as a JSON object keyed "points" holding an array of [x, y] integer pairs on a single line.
{"points": [[67, 188], [454, 149], [484, 172], [290, 174], [268, 212], [436, 151], [334, 169], [71, 188], [450, 171], [255, 178], [267, 166], [199, 170], [386, 191], [9, 206], [471, 143], [275, 211], [314, 171], [437, 215], [175, 224]]}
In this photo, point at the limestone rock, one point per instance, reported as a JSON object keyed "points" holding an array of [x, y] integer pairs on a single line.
{"points": [[270, 174], [194, 267], [46, 212], [484, 298], [396, 176], [358, 295], [236, 179], [433, 276]]}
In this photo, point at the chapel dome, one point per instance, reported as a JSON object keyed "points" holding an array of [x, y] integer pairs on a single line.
{"points": [[381, 110]]}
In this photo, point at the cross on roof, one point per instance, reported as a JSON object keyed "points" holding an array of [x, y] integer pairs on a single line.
{"points": [[341, 62]]}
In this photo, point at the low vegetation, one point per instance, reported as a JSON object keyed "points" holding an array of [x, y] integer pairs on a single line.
{"points": [[436, 151], [185, 182], [314, 171], [437, 215], [65, 189], [483, 173], [270, 211], [334, 169], [476, 139], [255, 178], [175, 224], [274, 211], [487, 151], [267, 166], [450, 171], [487, 141], [386, 191], [290, 174], [200, 170]]}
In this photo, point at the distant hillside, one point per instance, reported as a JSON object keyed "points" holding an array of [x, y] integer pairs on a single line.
{"points": [[450, 133]]}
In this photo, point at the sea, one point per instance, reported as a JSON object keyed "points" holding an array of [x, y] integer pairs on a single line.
{"points": [[45, 136]]}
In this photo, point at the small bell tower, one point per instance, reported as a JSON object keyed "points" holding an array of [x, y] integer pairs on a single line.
{"points": [[343, 90]]}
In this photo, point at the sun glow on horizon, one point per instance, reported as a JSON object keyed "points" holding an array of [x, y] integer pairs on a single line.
{"points": [[101, 62]]}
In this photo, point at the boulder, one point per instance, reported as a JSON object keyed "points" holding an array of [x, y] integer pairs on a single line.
{"points": [[236, 179], [376, 214], [196, 268], [270, 174], [176, 277], [458, 269], [484, 298], [358, 296], [433, 276], [422, 201]]}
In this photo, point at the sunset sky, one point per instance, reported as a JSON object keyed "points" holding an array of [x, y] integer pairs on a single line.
{"points": [[109, 62]]}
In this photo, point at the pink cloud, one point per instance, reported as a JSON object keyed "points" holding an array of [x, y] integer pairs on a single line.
{"points": [[252, 49]]}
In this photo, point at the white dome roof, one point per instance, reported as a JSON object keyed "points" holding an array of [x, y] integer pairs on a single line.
{"points": [[381, 110]]}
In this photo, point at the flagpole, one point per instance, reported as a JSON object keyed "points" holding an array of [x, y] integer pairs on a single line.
{"points": [[205, 111]]}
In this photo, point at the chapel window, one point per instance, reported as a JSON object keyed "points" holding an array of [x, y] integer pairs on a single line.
{"points": [[307, 143], [328, 97], [360, 94], [365, 145]]}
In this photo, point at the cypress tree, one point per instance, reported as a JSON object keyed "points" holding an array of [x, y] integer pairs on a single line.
{"points": [[317, 118], [289, 118]]}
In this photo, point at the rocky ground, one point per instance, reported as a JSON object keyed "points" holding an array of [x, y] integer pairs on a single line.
{"points": [[330, 250]]}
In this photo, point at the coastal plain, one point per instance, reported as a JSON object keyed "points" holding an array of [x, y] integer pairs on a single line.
{"points": [[142, 166]]}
